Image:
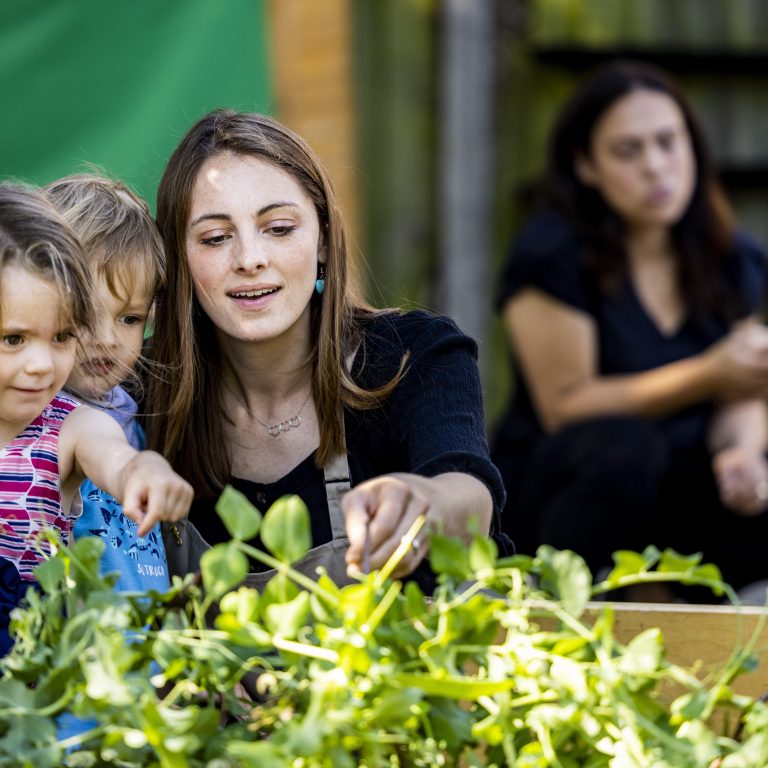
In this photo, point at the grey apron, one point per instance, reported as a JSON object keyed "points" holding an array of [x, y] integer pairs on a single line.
{"points": [[184, 545]]}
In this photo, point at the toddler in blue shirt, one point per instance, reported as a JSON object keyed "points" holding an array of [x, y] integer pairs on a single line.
{"points": [[124, 247], [121, 240]]}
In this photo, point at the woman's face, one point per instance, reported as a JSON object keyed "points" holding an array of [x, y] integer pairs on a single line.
{"points": [[641, 160], [253, 245]]}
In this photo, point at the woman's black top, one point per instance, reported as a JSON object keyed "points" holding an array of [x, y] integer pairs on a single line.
{"points": [[431, 423], [550, 256]]}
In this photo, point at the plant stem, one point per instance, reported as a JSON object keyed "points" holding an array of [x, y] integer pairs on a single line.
{"points": [[655, 577], [278, 565]]}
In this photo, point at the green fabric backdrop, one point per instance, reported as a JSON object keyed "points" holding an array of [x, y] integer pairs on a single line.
{"points": [[116, 83]]}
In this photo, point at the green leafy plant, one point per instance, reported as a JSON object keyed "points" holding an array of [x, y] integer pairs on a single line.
{"points": [[499, 667]]}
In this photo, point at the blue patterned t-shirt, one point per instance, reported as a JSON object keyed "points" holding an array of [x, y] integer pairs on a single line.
{"points": [[140, 561]]}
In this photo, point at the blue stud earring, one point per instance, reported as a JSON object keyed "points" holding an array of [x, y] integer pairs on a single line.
{"points": [[320, 282]]}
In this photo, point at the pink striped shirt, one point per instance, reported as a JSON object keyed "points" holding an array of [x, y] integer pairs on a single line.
{"points": [[30, 489]]}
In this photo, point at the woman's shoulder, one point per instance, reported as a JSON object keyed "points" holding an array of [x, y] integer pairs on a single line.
{"points": [[749, 250], [746, 273], [544, 234], [748, 263], [548, 254], [402, 329], [388, 335]]}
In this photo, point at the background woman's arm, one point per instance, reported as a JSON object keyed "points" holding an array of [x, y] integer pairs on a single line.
{"points": [[557, 347], [738, 439]]}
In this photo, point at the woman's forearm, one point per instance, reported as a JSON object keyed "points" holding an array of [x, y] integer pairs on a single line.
{"points": [[742, 424], [649, 394], [456, 499]]}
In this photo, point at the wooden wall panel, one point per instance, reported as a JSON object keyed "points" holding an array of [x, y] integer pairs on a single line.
{"points": [[311, 59]]}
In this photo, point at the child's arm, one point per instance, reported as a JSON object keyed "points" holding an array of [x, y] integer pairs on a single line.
{"points": [[91, 444]]}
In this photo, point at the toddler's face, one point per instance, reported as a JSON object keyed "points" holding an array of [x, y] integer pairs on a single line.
{"points": [[107, 357]]}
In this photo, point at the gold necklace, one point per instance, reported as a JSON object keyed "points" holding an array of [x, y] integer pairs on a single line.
{"points": [[283, 426]]}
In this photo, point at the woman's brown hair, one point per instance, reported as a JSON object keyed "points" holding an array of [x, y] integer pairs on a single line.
{"points": [[187, 415]]}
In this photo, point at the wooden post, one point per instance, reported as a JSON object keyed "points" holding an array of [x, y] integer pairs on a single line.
{"points": [[311, 59], [465, 164]]}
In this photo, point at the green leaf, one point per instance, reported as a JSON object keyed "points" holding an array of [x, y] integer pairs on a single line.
{"points": [[262, 753], [642, 655], [651, 555], [280, 589], [286, 619], [674, 562], [449, 556], [415, 605], [14, 693], [223, 567], [454, 687], [304, 739], [244, 604], [450, 724], [324, 608], [50, 574], [482, 553], [748, 662], [286, 530], [566, 576], [105, 668], [570, 675], [392, 707], [249, 635], [690, 705], [569, 645], [708, 571], [33, 738], [241, 519], [627, 563]]}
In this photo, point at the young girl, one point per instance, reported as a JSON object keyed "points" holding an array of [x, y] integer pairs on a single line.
{"points": [[49, 442], [123, 246]]}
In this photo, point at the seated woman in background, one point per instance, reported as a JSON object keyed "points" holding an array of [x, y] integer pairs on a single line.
{"points": [[284, 381], [633, 308]]}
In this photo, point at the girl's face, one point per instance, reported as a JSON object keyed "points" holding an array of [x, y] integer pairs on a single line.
{"points": [[37, 348], [253, 245], [108, 357], [641, 160]]}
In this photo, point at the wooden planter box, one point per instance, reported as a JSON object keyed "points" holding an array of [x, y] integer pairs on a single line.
{"points": [[703, 635]]}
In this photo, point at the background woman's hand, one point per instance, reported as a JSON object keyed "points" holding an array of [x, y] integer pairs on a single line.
{"points": [[739, 363], [742, 480]]}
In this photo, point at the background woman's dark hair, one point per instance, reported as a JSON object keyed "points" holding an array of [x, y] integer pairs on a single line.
{"points": [[703, 237]]}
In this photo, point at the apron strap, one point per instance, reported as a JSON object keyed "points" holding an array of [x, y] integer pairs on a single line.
{"points": [[338, 478], [337, 483]]}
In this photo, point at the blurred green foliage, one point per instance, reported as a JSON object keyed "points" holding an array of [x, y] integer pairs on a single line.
{"points": [[115, 85]]}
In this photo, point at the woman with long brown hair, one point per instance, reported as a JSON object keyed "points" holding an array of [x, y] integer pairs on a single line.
{"points": [[633, 306], [276, 377]]}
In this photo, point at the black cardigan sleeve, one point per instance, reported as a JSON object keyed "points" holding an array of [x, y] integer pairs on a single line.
{"points": [[433, 422]]}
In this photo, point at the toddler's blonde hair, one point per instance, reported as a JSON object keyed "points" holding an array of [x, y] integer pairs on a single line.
{"points": [[116, 229]]}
